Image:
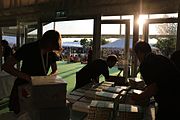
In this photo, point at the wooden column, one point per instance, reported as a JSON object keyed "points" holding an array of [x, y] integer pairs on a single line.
{"points": [[0, 48], [97, 37], [25, 33], [39, 29], [146, 32], [18, 43], [126, 50], [54, 25], [178, 33], [135, 39]]}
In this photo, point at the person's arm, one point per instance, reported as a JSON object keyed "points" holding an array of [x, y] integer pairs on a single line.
{"points": [[149, 91], [53, 68], [8, 66]]}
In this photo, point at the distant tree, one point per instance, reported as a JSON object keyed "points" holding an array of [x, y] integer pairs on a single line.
{"points": [[104, 41], [167, 29], [91, 42], [84, 42], [167, 44], [75, 41]]}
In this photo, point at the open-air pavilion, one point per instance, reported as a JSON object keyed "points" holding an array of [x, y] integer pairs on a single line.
{"points": [[18, 17]]}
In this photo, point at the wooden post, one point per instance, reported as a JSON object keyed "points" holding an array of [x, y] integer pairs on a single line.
{"points": [[18, 44], [0, 48], [135, 39], [126, 50], [178, 33], [39, 30], [25, 33], [54, 25], [97, 37], [146, 32]]}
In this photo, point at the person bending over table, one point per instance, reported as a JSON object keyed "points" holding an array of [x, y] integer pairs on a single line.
{"points": [[92, 71], [161, 78], [175, 57], [36, 57]]}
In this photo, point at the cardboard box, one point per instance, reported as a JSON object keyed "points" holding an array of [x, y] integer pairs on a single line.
{"points": [[48, 92]]}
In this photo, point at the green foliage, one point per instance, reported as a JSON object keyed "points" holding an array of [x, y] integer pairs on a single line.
{"points": [[104, 41], [75, 41], [84, 42], [166, 45], [167, 29]]}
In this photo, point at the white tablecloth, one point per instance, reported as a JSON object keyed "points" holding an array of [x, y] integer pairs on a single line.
{"points": [[6, 84]]}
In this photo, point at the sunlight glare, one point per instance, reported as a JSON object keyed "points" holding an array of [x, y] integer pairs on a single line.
{"points": [[141, 20]]}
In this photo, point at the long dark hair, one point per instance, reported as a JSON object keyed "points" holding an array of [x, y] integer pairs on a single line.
{"points": [[51, 37]]}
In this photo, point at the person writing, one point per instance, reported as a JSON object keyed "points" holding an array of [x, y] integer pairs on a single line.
{"points": [[92, 71], [36, 57], [161, 77]]}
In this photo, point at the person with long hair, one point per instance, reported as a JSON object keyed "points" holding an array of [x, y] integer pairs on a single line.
{"points": [[36, 58]]}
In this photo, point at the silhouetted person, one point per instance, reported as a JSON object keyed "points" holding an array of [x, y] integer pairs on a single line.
{"points": [[37, 57], [92, 71], [6, 49], [161, 78], [175, 57], [90, 52]]}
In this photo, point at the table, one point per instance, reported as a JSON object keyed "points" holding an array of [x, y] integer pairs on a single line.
{"points": [[82, 98]]}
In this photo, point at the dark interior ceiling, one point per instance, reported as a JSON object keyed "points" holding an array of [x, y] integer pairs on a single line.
{"points": [[28, 11]]}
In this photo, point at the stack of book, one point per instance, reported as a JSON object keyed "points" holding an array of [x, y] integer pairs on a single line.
{"points": [[129, 112], [100, 110]]}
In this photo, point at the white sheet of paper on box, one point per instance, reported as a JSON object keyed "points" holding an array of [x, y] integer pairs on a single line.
{"points": [[43, 80]]}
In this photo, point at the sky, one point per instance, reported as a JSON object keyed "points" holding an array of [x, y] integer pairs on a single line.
{"points": [[86, 26]]}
